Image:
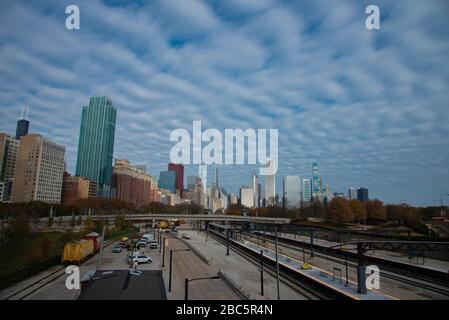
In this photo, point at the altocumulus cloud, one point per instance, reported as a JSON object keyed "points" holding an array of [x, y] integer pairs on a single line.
{"points": [[370, 106]]}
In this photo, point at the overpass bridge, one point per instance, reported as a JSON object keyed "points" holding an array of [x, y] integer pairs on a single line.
{"points": [[193, 217]]}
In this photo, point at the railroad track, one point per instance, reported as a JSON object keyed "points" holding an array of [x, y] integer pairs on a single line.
{"points": [[284, 278], [42, 282], [390, 273]]}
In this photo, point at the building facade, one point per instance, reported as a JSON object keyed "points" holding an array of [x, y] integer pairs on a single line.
{"points": [[96, 143], [270, 187], [256, 191], [362, 194], [352, 193], [306, 190], [77, 188], [179, 176], [167, 181], [39, 170], [202, 173], [131, 184], [9, 147], [246, 197], [292, 192], [316, 181]]}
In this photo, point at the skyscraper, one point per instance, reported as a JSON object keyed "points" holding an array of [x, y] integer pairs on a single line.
{"points": [[292, 191], [306, 190], [246, 197], [39, 170], [270, 187], [22, 126], [202, 173], [96, 143], [316, 181], [179, 174], [255, 188], [352, 193], [167, 181], [192, 182], [9, 148], [362, 194]]}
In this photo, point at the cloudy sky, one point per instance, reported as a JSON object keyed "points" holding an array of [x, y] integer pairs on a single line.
{"points": [[370, 106]]}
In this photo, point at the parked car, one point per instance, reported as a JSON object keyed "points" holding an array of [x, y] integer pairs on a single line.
{"points": [[185, 236], [142, 259], [117, 249], [154, 244], [142, 244]]}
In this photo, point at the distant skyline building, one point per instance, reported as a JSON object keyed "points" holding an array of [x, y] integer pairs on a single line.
{"points": [[23, 125], [255, 188], [179, 175], [316, 181], [167, 181], [292, 192], [246, 197], [9, 147], [352, 193], [39, 170], [192, 182], [96, 143], [362, 194], [76, 188], [306, 190], [202, 173], [131, 184], [270, 187]]}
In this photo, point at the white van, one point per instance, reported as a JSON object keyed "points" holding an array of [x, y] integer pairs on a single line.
{"points": [[147, 238]]}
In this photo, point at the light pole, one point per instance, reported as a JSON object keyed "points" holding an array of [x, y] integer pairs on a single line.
{"points": [[171, 264], [186, 284], [277, 262], [261, 273]]}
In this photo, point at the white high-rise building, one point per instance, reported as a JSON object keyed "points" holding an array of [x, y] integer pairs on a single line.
{"points": [[246, 197], [255, 188], [352, 193], [9, 147], [202, 173], [270, 186], [306, 190], [292, 192]]}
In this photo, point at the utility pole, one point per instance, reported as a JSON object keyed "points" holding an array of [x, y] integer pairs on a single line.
{"points": [[277, 262], [261, 273], [100, 256]]}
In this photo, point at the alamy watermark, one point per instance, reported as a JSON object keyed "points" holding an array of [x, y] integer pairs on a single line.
{"points": [[189, 148]]}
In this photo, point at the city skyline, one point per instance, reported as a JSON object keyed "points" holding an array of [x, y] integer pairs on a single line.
{"points": [[381, 124]]}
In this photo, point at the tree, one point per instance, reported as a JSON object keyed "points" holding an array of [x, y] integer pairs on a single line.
{"points": [[120, 222], [340, 212], [375, 210], [357, 209]]}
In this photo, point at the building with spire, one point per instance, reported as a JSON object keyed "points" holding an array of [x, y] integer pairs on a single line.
{"points": [[23, 125]]}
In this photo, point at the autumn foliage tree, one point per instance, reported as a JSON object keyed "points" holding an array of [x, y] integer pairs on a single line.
{"points": [[375, 210], [340, 211], [358, 210]]}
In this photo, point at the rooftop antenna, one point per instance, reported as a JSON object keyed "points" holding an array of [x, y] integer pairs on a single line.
{"points": [[26, 114], [21, 117]]}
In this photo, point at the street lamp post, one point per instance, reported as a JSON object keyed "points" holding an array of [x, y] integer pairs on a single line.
{"points": [[171, 265], [186, 284], [261, 273], [277, 262]]}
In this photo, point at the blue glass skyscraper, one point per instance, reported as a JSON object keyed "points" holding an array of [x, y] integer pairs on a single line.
{"points": [[96, 143]]}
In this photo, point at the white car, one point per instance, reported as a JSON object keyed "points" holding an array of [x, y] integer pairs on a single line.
{"points": [[154, 244], [142, 243], [185, 236], [142, 259]]}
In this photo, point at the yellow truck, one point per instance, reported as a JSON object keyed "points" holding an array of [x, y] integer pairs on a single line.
{"points": [[77, 252]]}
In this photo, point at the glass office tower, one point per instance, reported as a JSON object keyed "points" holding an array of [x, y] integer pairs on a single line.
{"points": [[96, 143]]}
